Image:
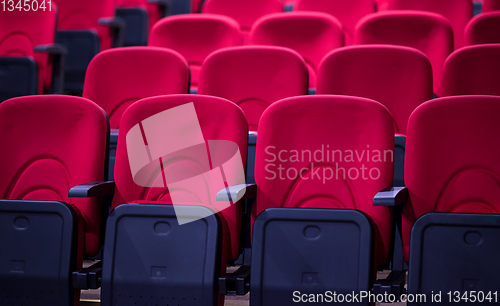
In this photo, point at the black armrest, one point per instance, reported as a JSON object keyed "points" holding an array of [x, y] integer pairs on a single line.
{"points": [[391, 196], [88, 278], [237, 192], [236, 283], [94, 189], [162, 5], [117, 26], [58, 54]]}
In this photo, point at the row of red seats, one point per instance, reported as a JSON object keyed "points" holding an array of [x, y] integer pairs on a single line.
{"points": [[310, 235]]}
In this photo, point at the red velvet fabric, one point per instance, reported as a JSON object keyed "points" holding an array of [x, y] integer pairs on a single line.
{"points": [[54, 143], [21, 32], [452, 158], [196, 36], [483, 29], [491, 5], [292, 127], [347, 12], [396, 76], [117, 78], [472, 70], [458, 12], [84, 15], [219, 120], [311, 34], [428, 32], [254, 77], [245, 12]]}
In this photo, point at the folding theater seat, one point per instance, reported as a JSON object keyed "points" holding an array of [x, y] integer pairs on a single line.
{"points": [[196, 36], [85, 28], [30, 63], [316, 228], [176, 150], [347, 12], [428, 32], [398, 77], [311, 34], [50, 144], [483, 29], [117, 78], [491, 5], [458, 12], [245, 12], [452, 179], [472, 70]]}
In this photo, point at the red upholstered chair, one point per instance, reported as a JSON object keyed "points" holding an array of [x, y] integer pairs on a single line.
{"points": [[195, 142], [458, 12], [117, 78], [196, 36], [20, 33], [428, 32], [472, 70], [311, 34], [347, 12], [452, 177], [483, 29], [245, 12], [490, 5], [312, 203], [254, 77], [50, 144]]}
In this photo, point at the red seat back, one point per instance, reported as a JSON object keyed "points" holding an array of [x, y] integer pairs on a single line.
{"points": [[452, 158], [472, 70], [84, 15], [428, 32], [398, 77], [21, 32], [483, 29], [117, 78], [51, 144], [311, 34], [347, 12], [245, 12], [458, 12], [215, 119], [312, 151], [195, 36], [491, 5], [254, 77]]}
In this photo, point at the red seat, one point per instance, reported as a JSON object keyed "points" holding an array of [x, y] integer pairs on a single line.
{"points": [[254, 77], [84, 15], [195, 36], [311, 34], [490, 5], [428, 32], [347, 12], [244, 12], [54, 143], [21, 32], [396, 76], [483, 29], [116, 78], [458, 12], [472, 70]]}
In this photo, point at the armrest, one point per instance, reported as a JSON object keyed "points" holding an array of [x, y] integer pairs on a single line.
{"points": [[237, 192], [94, 189], [391, 196], [162, 5], [117, 26], [58, 54], [236, 283], [88, 278]]}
